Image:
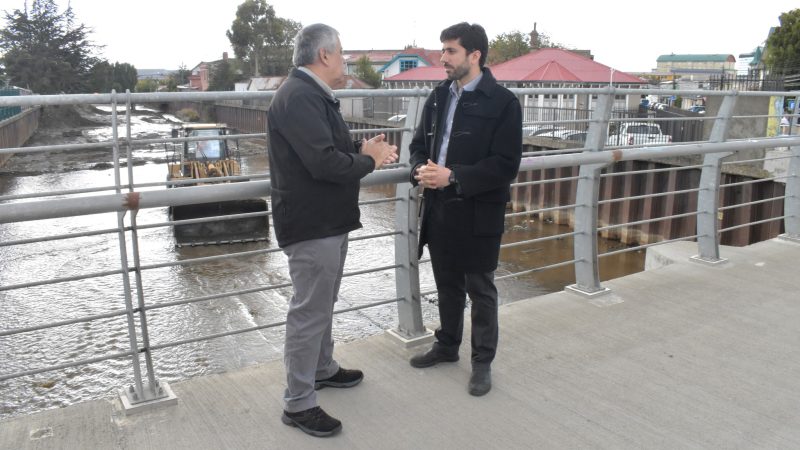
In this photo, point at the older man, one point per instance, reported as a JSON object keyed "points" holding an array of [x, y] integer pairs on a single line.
{"points": [[315, 168]]}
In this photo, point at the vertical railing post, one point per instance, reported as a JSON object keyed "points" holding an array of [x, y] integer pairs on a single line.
{"points": [[791, 205], [708, 196], [587, 275], [410, 329], [139, 396]]}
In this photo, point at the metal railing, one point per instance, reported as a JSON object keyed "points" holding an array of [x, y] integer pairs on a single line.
{"points": [[591, 158]]}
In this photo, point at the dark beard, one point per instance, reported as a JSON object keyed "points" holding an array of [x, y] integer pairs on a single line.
{"points": [[458, 73]]}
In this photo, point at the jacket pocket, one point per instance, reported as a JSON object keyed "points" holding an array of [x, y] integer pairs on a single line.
{"points": [[489, 219]]}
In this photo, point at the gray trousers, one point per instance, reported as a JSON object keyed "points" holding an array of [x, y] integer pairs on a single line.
{"points": [[316, 268]]}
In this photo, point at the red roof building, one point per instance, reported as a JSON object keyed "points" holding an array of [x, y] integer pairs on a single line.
{"points": [[544, 68]]}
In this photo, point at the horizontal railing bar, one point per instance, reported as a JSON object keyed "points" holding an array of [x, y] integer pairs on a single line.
{"points": [[554, 180], [639, 247], [759, 180], [60, 280], [538, 269], [553, 152], [744, 225], [634, 172], [373, 236], [64, 366], [256, 328], [201, 220], [206, 298], [15, 212], [541, 239], [755, 202], [62, 323], [206, 259], [125, 141], [211, 96], [639, 197], [380, 200], [206, 96], [58, 237], [253, 290], [541, 210], [642, 222], [742, 161], [378, 130]]}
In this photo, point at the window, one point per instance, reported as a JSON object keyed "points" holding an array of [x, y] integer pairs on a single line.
{"points": [[406, 64]]}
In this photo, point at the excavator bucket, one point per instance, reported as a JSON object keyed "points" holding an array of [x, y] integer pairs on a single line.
{"points": [[224, 230]]}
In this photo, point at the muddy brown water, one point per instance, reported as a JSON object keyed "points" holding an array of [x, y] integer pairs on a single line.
{"points": [[39, 305]]}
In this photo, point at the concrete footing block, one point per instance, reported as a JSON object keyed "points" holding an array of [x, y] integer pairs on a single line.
{"points": [[410, 342]]}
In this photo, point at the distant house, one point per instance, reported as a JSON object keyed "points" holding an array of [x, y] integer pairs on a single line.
{"points": [[750, 63], [392, 62], [199, 78], [697, 67]]}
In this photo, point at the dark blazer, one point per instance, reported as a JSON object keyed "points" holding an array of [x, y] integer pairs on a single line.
{"points": [[463, 226], [315, 166]]}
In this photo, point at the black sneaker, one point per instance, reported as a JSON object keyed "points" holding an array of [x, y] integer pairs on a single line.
{"points": [[314, 421], [344, 378], [431, 358]]}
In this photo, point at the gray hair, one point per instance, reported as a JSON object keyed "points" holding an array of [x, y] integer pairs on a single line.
{"points": [[310, 40]]}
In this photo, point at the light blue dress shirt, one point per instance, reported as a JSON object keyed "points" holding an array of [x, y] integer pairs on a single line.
{"points": [[455, 96]]}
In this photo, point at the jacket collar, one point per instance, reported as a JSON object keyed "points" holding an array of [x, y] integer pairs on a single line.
{"points": [[307, 76]]}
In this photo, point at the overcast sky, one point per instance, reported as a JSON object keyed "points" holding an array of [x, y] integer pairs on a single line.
{"points": [[626, 35]]}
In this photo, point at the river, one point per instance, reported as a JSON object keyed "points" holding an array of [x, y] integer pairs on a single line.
{"points": [[57, 259]]}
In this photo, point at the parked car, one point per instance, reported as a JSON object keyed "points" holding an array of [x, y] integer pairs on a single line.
{"points": [[538, 130], [699, 109], [637, 133], [397, 118]]}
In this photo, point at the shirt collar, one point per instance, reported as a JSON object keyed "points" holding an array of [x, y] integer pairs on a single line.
{"points": [[467, 87], [319, 81]]}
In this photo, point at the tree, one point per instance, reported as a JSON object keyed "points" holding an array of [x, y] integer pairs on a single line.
{"points": [[147, 86], [45, 51], [223, 76], [782, 53], [125, 77], [103, 77], [262, 39], [508, 46], [365, 71]]}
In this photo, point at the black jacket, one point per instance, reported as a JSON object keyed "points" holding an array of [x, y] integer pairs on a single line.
{"points": [[465, 225], [315, 166]]}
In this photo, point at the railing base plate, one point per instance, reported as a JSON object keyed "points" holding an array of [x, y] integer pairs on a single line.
{"points": [[128, 407], [600, 298], [708, 262], [789, 237], [426, 338]]}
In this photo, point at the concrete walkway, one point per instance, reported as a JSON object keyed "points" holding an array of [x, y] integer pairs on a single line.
{"points": [[682, 356]]}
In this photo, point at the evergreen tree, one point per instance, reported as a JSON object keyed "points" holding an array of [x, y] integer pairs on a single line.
{"points": [[782, 55], [45, 51], [507, 46], [365, 72], [223, 76], [262, 39]]}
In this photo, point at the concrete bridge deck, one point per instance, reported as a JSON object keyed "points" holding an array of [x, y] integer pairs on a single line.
{"points": [[682, 356]]}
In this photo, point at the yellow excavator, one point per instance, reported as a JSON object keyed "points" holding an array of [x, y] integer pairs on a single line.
{"points": [[204, 160]]}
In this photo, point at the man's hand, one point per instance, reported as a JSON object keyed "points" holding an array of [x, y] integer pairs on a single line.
{"points": [[432, 176], [379, 150]]}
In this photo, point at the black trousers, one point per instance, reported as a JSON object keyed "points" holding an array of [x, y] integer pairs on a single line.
{"points": [[453, 288]]}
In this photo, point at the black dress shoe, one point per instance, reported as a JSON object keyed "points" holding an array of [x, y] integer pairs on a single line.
{"points": [[313, 421], [480, 382], [431, 358], [344, 378]]}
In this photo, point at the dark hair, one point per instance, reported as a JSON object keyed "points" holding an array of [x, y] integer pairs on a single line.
{"points": [[471, 36]]}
